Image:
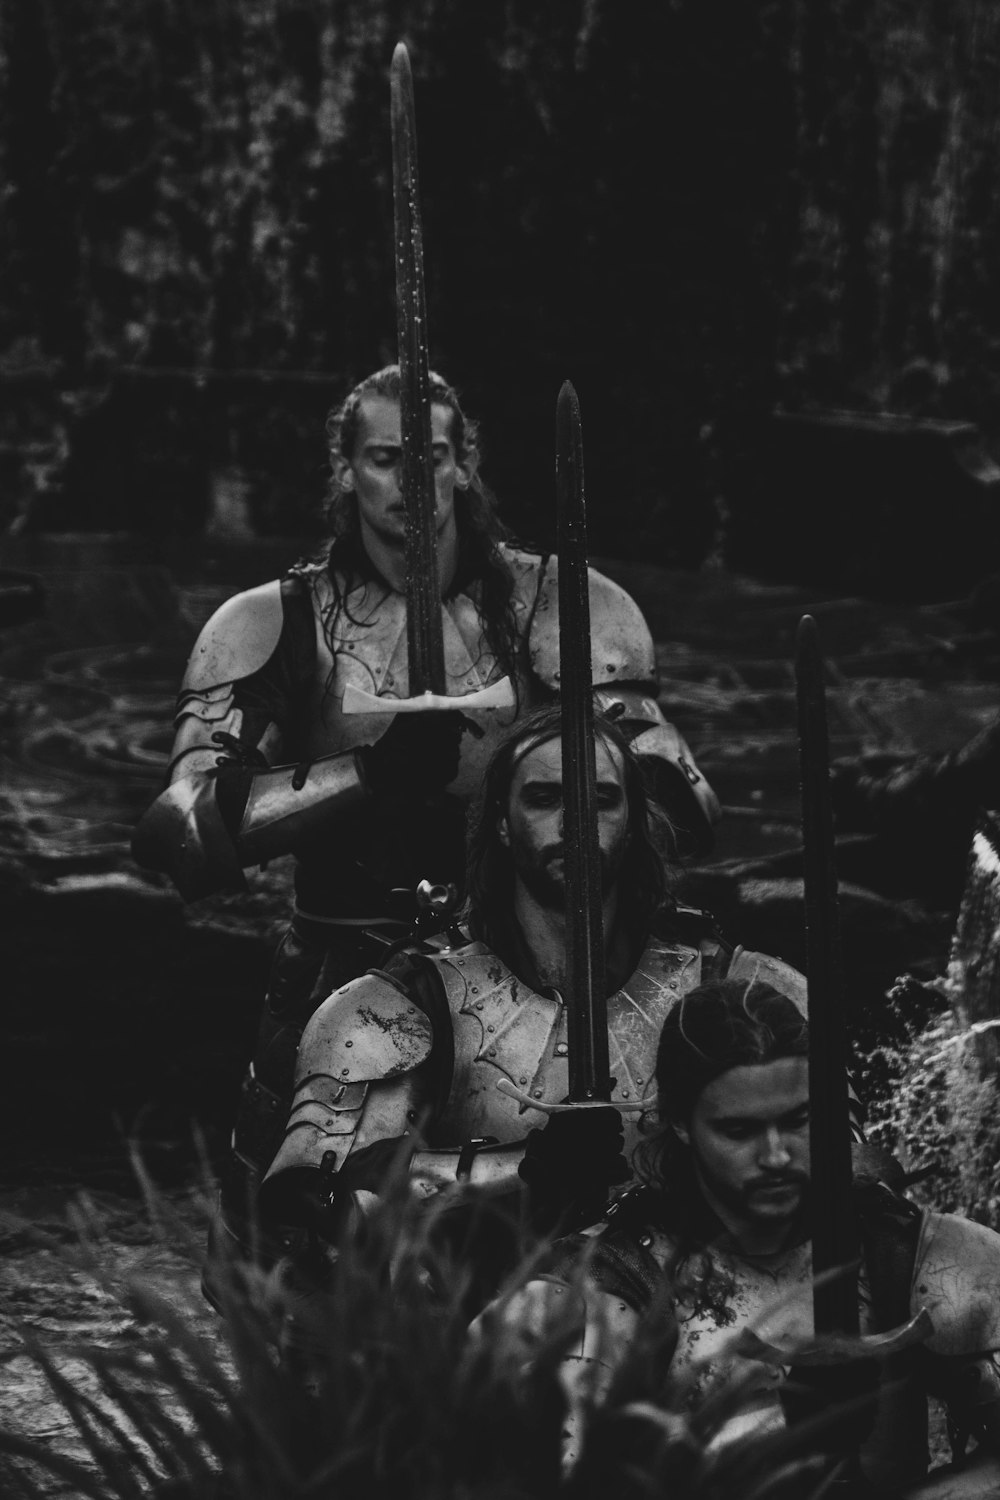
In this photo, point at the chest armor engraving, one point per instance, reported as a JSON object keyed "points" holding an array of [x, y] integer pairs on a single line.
{"points": [[368, 650], [503, 1029], [775, 1301]]}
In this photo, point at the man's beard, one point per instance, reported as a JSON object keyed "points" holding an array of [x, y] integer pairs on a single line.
{"points": [[762, 1207], [543, 875]]}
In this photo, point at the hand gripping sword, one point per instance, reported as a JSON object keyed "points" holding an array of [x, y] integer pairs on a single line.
{"points": [[425, 643]]}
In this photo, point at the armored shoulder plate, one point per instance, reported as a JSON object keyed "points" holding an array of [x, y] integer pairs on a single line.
{"points": [[773, 971], [367, 1030], [621, 645], [238, 639], [957, 1277]]}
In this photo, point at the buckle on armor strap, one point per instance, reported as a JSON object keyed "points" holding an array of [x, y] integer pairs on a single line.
{"points": [[468, 1154]]}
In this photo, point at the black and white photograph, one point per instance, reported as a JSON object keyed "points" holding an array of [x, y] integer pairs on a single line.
{"points": [[500, 746]]}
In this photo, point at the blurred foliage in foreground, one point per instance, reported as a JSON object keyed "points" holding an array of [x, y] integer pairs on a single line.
{"points": [[388, 1397], [691, 209], [938, 1104]]}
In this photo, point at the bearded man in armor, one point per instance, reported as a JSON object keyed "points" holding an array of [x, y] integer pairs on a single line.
{"points": [[266, 762], [716, 1241], [453, 1055]]}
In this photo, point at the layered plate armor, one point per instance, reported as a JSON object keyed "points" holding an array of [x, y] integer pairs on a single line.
{"points": [[268, 674], [509, 1050]]}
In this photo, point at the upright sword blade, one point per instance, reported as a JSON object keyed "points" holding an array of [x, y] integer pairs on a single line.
{"points": [[587, 1011], [834, 1229], [423, 590]]}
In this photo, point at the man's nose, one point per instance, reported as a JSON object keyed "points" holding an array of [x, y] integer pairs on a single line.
{"points": [[774, 1150]]}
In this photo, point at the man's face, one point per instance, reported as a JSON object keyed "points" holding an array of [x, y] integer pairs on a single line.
{"points": [[749, 1140], [533, 826], [374, 471]]}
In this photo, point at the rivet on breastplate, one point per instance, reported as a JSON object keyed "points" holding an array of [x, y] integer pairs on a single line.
{"points": [[491, 1028], [350, 645], [411, 1010], [479, 1004], [522, 1080], [536, 1093], [344, 1072], [475, 989], [348, 1044], [673, 984], [390, 681], [492, 1052], [561, 1049], [645, 1240], [624, 1093]]}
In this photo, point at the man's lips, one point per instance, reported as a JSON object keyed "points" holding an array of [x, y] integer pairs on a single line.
{"points": [[778, 1185]]}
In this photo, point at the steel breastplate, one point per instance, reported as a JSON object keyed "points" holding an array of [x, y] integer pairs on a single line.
{"points": [[365, 645], [503, 1029]]}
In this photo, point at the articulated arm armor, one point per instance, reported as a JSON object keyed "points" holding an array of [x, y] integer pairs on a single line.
{"points": [[357, 1079], [226, 807], [362, 1085], [623, 671]]}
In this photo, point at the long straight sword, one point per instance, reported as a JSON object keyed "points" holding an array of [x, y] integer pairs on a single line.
{"points": [[425, 642], [834, 1229], [587, 1011], [424, 628]]}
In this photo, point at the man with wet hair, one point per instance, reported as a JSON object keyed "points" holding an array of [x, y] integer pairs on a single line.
{"points": [[266, 762], [454, 1056], [715, 1243]]}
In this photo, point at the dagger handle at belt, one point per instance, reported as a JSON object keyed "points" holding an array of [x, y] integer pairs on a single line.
{"points": [[587, 1016], [423, 591], [834, 1230]]}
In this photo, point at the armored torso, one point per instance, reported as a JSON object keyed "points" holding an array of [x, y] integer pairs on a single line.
{"points": [[509, 1036], [361, 641]]}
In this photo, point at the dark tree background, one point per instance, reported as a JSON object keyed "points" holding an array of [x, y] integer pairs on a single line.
{"points": [[694, 210]]}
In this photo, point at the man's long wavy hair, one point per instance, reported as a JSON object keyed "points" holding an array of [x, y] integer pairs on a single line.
{"points": [[730, 1023], [643, 881], [481, 570]]}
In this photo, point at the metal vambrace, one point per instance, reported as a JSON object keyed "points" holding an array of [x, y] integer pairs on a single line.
{"points": [[485, 1165], [205, 828], [325, 1116]]}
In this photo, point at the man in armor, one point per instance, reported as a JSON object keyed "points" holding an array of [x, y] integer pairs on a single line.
{"points": [[266, 761], [716, 1242], [454, 1056]]}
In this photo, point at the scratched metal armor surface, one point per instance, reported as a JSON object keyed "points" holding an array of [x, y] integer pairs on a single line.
{"points": [[503, 1029], [369, 651]]}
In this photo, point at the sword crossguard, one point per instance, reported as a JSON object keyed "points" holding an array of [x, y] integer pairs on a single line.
{"points": [[495, 695], [505, 1086]]}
